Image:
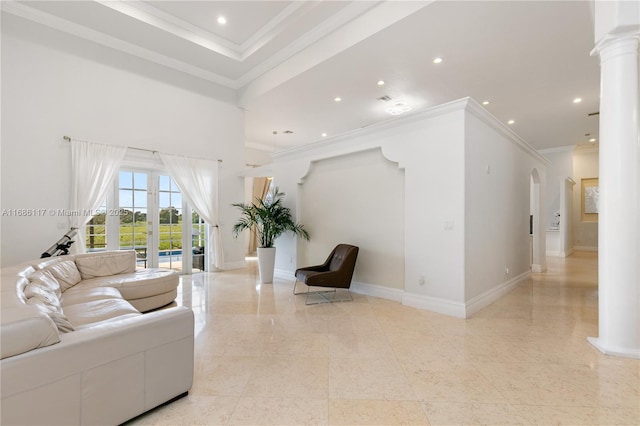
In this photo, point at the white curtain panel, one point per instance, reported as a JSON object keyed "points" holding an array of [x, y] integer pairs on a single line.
{"points": [[93, 167], [198, 182]]}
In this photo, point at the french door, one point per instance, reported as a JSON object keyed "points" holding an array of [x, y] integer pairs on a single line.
{"points": [[152, 221]]}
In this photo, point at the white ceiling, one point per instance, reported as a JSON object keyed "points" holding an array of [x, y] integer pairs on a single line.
{"points": [[288, 60]]}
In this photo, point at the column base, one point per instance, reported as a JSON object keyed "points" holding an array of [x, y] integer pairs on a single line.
{"points": [[614, 350]]}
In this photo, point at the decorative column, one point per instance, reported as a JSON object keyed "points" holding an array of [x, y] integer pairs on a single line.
{"points": [[619, 210]]}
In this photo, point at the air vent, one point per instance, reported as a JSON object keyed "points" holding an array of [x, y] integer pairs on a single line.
{"points": [[591, 114], [287, 132], [384, 98]]}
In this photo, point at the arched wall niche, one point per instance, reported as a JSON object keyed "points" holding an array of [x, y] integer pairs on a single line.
{"points": [[356, 198]]}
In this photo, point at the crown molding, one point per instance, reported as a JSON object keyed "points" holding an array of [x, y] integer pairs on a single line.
{"points": [[46, 19], [566, 148], [480, 112], [337, 141], [160, 19], [328, 26]]}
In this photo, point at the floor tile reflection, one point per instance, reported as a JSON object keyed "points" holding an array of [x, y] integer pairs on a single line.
{"points": [[263, 357]]}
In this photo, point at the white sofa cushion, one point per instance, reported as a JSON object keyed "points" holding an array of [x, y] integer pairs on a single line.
{"points": [[106, 264], [66, 272], [40, 293], [45, 282], [98, 310], [137, 285], [24, 327], [81, 294]]}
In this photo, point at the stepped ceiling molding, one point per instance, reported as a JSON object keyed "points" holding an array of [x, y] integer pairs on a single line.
{"points": [[288, 60]]}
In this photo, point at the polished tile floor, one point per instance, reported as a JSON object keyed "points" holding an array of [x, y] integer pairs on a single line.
{"points": [[264, 358]]}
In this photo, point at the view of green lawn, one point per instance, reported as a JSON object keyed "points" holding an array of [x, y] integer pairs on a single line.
{"points": [[135, 234]]}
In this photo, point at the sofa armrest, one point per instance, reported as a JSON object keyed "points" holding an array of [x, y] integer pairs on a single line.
{"points": [[103, 374]]}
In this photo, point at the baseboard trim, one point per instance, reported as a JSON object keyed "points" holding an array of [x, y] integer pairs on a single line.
{"points": [[618, 351], [585, 248], [377, 291], [284, 274], [234, 265], [559, 253], [434, 304], [488, 297]]}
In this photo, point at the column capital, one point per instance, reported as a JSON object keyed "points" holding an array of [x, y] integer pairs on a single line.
{"points": [[614, 44]]}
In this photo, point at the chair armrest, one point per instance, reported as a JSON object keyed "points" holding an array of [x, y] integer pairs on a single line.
{"points": [[316, 268]]}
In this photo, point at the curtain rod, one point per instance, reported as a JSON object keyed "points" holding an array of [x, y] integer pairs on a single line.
{"points": [[68, 139]]}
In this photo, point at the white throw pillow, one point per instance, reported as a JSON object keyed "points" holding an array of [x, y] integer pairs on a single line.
{"points": [[66, 273]]}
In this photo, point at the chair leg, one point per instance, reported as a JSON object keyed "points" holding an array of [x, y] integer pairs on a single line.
{"points": [[294, 289], [325, 299]]}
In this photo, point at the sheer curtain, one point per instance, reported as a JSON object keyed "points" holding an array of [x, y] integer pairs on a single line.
{"points": [[93, 167], [198, 182]]}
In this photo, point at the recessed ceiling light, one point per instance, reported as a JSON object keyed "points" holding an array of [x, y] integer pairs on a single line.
{"points": [[511, 121], [324, 135], [577, 100], [222, 20], [437, 60], [485, 103], [592, 140], [337, 99], [398, 108], [380, 82]]}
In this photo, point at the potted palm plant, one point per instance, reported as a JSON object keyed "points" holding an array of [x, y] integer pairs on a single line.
{"points": [[268, 219]]}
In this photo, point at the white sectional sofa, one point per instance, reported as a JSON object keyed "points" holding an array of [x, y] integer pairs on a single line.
{"points": [[76, 348]]}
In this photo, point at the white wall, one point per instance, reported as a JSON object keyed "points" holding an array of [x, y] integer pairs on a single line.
{"points": [[585, 166], [560, 167], [497, 207], [430, 147], [55, 85], [356, 199], [256, 157]]}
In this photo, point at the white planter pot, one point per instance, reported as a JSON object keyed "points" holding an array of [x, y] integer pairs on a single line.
{"points": [[266, 263]]}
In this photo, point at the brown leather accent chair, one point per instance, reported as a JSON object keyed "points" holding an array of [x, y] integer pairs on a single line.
{"points": [[336, 273]]}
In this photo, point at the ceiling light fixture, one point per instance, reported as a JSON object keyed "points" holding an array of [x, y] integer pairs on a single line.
{"points": [[511, 121], [337, 99], [380, 82], [577, 100], [398, 107], [437, 60], [222, 20], [592, 140], [485, 103], [324, 135]]}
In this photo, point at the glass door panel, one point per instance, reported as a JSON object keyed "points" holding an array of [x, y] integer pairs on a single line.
{"points": [[198, 233], [132, 200], [169, 224]]}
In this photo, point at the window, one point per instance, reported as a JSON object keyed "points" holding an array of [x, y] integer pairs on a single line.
{"points": [[96, 230]]}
